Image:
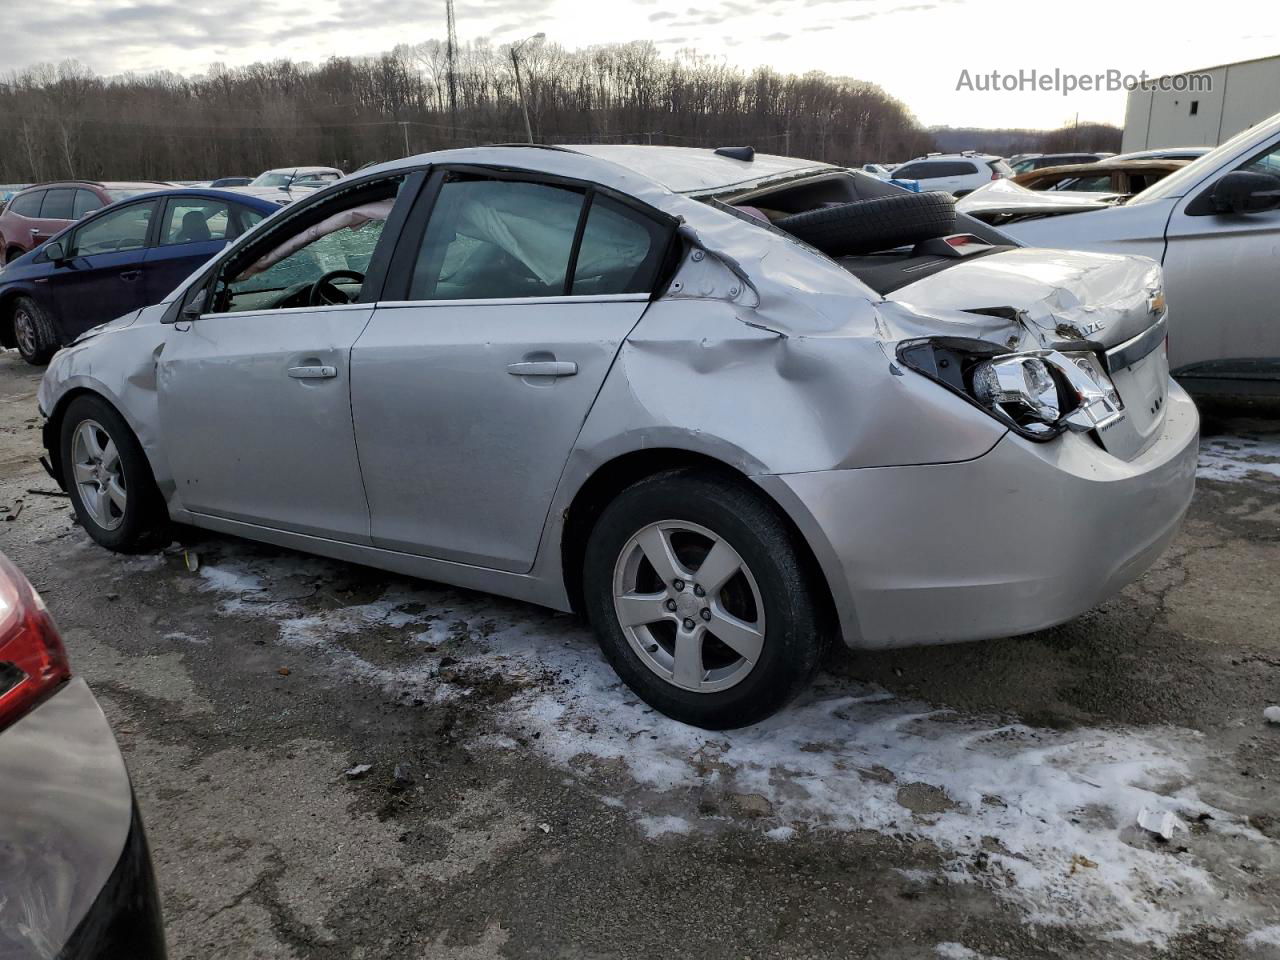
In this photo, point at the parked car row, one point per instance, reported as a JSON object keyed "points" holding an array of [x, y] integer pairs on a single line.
{"points": [[116, 259]]}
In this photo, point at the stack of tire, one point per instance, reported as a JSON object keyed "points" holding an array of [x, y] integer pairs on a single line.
{"points": [[868, 226]]}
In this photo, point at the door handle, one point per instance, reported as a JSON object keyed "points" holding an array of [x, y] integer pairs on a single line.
{"points": [[542, 368], [318, 372], [130, 275], [35, 231]]}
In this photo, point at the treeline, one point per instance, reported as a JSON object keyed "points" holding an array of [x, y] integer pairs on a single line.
{"points": [[1072, 138], [64, 121]]}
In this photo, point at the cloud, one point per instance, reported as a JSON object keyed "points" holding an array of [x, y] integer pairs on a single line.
{"points": [[775, 37], [661, 15]]}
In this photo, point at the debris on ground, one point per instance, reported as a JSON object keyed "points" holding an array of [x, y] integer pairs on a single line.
{"points": [[192, 560], [1081, 862], [1271, 714], [358, 771], [283, 671], [544, 827], [16, 511], [401, 778], [1160, 822], [46, 493]]}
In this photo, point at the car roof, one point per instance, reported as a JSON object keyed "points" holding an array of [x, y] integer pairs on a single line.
{"points": [[955, 156], [698, 169], [104, 184], [302, 170], [1163, 153]]}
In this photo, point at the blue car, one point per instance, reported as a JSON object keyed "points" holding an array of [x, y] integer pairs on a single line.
{"points": [[118, 259]]}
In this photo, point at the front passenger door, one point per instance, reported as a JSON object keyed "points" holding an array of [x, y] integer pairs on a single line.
{"points": [[468, 390], [254, 395], [103, 275]]}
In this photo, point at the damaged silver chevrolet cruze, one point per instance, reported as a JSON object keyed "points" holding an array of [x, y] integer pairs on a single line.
{"points": [[728, 405]]}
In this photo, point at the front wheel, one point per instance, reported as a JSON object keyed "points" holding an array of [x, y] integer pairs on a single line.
{"points": [[109, 479], [33, 332], [701, 599]]}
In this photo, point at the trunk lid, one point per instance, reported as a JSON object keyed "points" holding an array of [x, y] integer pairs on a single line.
{"points": [[1071, 301]]}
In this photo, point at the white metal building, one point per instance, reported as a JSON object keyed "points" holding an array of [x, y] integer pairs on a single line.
{"points": [[1238, 96]]}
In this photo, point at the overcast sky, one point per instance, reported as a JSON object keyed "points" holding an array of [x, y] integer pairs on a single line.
{"points": [[915, 49]]}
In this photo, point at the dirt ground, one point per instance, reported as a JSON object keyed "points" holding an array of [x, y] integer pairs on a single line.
{"points": [[969, 802]]}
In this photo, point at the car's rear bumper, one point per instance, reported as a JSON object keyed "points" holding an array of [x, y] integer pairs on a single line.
{"points": [[1024, 537], [75, 875]]}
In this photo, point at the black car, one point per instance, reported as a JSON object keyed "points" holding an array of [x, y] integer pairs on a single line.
{"points": [[76, 880], [231, 182], [118, 259]]}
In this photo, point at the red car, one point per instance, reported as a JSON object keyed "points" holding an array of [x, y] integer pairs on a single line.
{"points": [[38, 212]]}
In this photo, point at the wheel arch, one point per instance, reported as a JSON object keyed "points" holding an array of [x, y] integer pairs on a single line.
{"points": [[615, 475]]}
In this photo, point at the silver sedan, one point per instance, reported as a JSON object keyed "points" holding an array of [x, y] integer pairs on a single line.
{"points": [[730, 406]]}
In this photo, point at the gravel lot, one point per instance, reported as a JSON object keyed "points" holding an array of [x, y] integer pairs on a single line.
{"points": [[965, 802]]}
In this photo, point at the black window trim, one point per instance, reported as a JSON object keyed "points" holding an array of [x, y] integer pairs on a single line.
{"points": [[400, 274]]}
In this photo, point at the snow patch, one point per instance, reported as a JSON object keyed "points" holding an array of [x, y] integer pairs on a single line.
{"points": [[1236, 458], [958, 951], [1045, 818]]}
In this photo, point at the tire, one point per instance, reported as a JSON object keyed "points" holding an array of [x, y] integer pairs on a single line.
{"points": [[140, 522], [865, 226], [33, 332], [772, 594]]}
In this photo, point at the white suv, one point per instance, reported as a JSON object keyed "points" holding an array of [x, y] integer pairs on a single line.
{"points": [[956, 173]]}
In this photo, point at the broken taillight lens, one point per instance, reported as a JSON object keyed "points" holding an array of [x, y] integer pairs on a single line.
{"points": [[33, 661]]}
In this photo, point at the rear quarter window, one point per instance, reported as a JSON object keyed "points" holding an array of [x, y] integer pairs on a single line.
{"points": [[27, 204], [58, 205]]}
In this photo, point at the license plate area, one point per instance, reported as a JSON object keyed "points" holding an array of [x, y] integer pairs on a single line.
{"points": [[1143, 385]]}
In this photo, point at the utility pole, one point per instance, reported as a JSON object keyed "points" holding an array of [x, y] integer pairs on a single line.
{"points": [[515, 62], [451, 70], [404, 128]]}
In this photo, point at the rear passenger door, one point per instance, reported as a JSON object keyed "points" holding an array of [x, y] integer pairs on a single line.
{"points": [[508, 300]]}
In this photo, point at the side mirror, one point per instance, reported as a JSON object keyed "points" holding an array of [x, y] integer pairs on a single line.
{"points": [[1243, 192], [55, 251], [191, 308]]}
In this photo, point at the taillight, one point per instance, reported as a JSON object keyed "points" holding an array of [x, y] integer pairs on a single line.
{"points": [[33, 661], [995, 174]]}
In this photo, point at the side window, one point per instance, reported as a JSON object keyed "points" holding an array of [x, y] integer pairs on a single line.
{"points": [[1268, 162], [496, 239], [961, 168], [122, 229], [194, 220], [27, 204], [249, 217], [620, 252], [85, 203], [912, 171], [321, 261], [58, 205]]}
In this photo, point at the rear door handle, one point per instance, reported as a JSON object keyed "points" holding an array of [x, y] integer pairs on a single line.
{"points": [[318, 372], [130, 275], [542, 368]]}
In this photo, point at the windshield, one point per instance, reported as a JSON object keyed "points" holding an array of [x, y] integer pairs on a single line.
{"points": [[124, 193], [1178, 182], [272, 180]]}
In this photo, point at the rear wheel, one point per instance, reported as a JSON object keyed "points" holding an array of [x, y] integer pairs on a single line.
{"points": [[701, 599], [109, 479], [33, 332]]}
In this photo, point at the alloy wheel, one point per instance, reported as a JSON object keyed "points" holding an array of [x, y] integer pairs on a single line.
{"points": [[689, 606], [99, 474], [24, 331]]}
